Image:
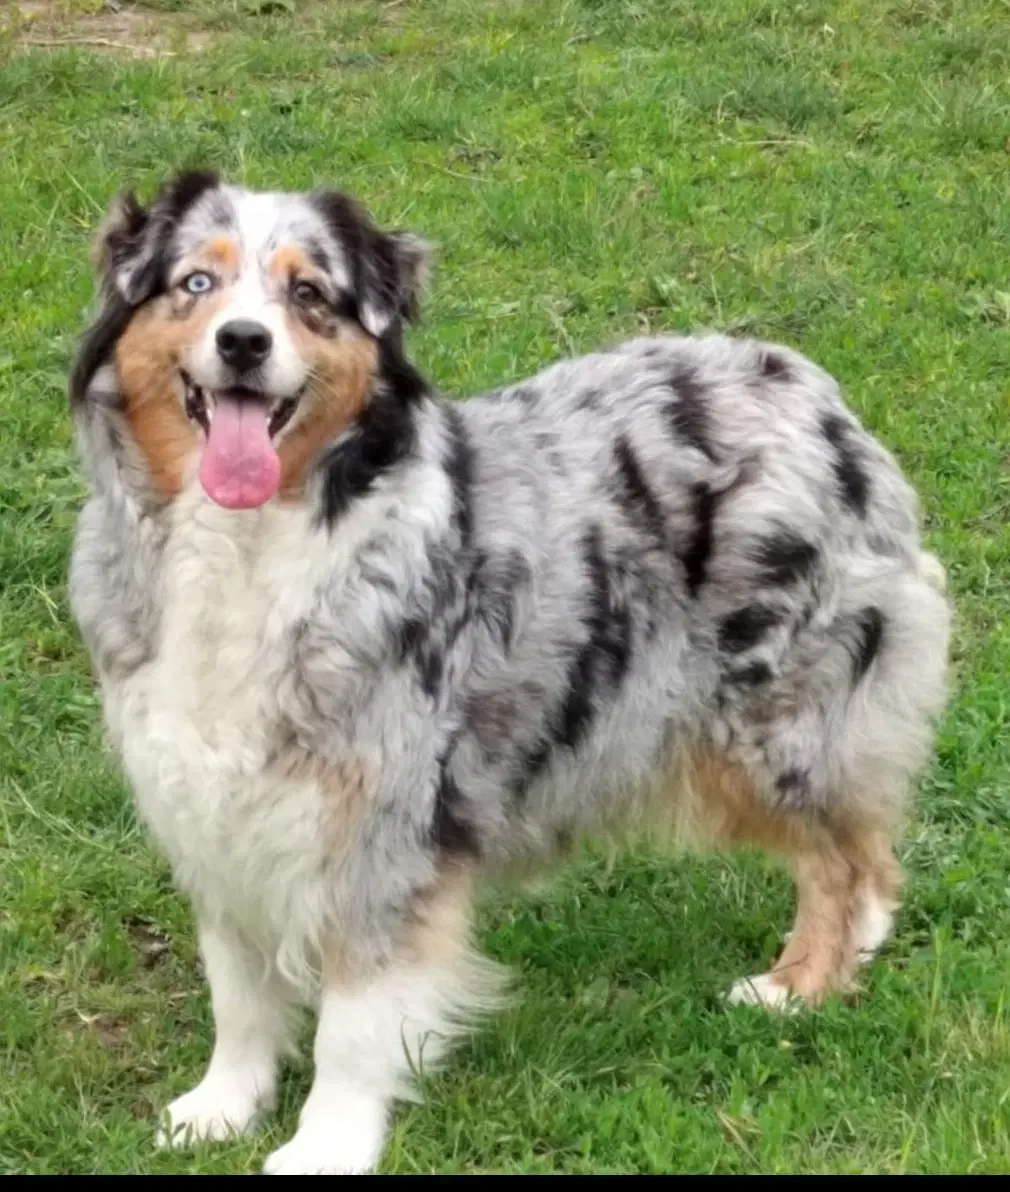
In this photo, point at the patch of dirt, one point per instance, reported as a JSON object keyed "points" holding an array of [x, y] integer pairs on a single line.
{"points": [[152, 945], [111, 1031], [113, 27]]}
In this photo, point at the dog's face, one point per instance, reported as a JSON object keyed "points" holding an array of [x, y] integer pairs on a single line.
{"points": [[244, 328]]}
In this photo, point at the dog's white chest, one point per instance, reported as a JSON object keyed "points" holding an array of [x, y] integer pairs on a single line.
{"points": [[198, 723]]}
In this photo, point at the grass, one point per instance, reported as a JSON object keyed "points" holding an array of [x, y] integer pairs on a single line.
{"points": [[833, 175]]}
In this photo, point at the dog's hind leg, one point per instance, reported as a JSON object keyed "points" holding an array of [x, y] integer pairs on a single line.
{"points": [[847, 879], [847, 883], [823, 757]]}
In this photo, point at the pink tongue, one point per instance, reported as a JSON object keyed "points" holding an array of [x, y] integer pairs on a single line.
{"points": [[240, 468]]}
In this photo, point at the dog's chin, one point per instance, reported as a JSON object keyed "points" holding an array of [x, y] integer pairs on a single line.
{"points": [[202, 400]]}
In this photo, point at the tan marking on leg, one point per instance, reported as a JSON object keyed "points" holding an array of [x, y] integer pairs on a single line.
{"points": [[346, 788], [439, 932], [720, 805], [436, 934], [845, 872], [817, 957]]}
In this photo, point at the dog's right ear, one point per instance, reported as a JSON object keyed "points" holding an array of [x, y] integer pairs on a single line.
{"points": [[124, 251], [130, 248]]}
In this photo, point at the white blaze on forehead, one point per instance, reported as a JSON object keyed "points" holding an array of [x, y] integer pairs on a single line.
{"points": [[261, 224]]}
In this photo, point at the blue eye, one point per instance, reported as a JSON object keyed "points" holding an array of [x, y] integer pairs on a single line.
{"points": [[198, 283]]}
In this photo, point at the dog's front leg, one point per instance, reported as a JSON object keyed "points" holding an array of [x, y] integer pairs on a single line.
{"points": [[377, 1031], [250, 1012]]}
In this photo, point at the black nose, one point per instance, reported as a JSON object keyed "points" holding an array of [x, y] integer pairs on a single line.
{"points": [[243, 343]]}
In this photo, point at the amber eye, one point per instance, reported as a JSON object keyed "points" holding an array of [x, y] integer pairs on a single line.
{"points": [[308, 293]]}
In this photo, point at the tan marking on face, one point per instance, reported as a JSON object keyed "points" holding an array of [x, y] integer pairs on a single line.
{"points": [[290, 261], [219, 256], [223, 251], [147, 358], [342, 373], [342, 368]]}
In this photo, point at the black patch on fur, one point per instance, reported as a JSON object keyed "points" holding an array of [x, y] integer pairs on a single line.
{"points": [[426, 636], [871, 628], [459, 469], [755, 674], [375, 259], [602, 661], [97, 344], [351, 228], [698, 550], [534, 762], [637, 500], [775, 367], [793, 782], [785, 557], [432, 667], [746, 627], [450, 829], [172, 202], [185, 189], [452, 589], [345, 306], [409, 638], [383, 435], [849, 472], [688, 413], [684, 382]]}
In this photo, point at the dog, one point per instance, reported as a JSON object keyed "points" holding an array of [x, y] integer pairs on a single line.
{"points": [[360, 646]]}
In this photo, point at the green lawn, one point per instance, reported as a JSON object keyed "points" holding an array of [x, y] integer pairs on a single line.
{"points": [[834, 175]]}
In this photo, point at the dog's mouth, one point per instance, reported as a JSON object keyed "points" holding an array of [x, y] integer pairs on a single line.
{"points": [[240, 467], [201, 404]]}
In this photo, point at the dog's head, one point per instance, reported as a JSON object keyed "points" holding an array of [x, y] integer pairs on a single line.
{"points": [[243, 331]]}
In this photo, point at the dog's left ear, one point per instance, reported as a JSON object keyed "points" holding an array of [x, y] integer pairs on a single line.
{"points": [[389, 269], [394, 277]]}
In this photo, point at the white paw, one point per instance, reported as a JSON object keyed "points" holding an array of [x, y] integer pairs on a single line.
{"points": [[764, 991], [872, 926], [342, 1138], [316, 1150], [212, 1111]]}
